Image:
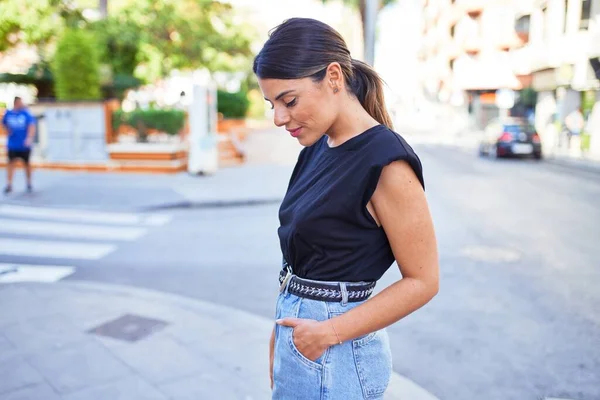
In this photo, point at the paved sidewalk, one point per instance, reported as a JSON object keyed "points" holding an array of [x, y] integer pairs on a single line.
{"points": [[53, 345], [262, 179]]}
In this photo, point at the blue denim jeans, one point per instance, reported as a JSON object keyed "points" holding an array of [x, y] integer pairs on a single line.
{"points": [[357, 369]]}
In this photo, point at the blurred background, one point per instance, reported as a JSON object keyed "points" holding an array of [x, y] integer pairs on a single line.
{"points": [[144, 263]]}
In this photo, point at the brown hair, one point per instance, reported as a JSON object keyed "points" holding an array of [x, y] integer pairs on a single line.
{"points": [[304, 48]]}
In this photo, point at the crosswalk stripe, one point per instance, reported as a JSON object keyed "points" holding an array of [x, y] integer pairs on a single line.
{"points": [[157, 219], [10, 273], [83, 215], [54, 249], [77, 231]]}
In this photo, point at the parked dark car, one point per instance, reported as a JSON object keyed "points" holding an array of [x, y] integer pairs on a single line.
{"points": [[506, 137]]}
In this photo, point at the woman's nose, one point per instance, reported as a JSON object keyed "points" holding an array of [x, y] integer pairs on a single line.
{"points": [[281, 117]]}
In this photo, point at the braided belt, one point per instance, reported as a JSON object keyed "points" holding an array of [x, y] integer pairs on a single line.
{"points": [[326, 291]]}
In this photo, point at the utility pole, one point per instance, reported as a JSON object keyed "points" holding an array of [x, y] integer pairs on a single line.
{"points": [[371, 10], [103, 8]]}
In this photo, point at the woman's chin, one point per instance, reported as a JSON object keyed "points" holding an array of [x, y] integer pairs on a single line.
{"points": [[307, 141]]}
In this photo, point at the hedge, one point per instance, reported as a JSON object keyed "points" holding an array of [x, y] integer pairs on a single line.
{"points": [[164, 120], [232, 105], [76, 67]]}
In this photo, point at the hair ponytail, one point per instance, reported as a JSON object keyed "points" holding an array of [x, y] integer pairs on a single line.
{"points": [[367, 86]]}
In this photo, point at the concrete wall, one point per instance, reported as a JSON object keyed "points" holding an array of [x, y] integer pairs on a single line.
{"points": [[75, 132]]}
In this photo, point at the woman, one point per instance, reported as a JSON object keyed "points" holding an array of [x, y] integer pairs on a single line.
{"points": [[355, 204]]}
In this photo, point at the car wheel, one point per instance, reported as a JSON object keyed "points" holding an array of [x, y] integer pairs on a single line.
{"points": [[482, 151], [493, 152]]}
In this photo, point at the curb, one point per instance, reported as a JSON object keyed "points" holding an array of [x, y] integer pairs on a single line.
{"points": [[583, 165], [399, 388], [185, 204], [210, 204]]}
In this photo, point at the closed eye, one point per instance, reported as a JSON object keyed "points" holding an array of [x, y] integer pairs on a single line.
{"points": [[291, 103]]}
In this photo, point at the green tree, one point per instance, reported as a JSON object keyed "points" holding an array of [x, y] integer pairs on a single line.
{"points": [[188, 34], [38, 75], [119, 44], [76, 67], [35, 22]]}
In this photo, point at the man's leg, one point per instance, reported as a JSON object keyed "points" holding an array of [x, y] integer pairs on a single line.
{"points": [[28, 175], [10, 169]]}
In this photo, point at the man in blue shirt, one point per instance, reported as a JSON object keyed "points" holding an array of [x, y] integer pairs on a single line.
{"points": [[20, 128]]}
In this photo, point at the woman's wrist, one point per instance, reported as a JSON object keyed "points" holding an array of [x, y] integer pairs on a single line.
{"points": [[329, 332]]}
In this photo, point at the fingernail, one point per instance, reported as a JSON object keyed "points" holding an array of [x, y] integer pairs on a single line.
{"points": [[278, 321]]}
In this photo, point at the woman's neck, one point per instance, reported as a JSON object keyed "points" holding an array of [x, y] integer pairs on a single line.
{"points": [[352, 120]]}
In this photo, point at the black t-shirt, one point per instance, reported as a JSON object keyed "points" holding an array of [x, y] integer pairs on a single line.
{"points": [[326, 232]]}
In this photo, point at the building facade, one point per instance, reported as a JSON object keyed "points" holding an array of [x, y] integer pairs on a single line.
{"points": [[547, 52], [563, 59], [466, 53]]}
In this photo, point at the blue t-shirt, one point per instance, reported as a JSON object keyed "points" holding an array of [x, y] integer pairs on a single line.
{"points": [[326, 231], [17, 122]]}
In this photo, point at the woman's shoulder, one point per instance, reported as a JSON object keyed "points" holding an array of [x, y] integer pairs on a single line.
{"points": [[385, 141], [387, 146]]}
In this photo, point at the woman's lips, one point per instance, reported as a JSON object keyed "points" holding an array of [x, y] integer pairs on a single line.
{"points": [[295, 132]]}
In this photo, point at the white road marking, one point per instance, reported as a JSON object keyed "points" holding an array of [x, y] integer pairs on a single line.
{"points": [[54, 249], [69, 230], [84, 215], [10, 273], [157, 219]]}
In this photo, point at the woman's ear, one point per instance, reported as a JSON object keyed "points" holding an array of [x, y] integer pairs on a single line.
{"points": [[334, 77]]}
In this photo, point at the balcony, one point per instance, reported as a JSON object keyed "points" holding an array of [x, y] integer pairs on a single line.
{"points": [[455, 13], [473, 8], [488, 73], [472, 45], [509, 41], [453, 50]]}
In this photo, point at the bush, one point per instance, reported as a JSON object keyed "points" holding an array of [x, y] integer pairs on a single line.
{"points": [[119, 86], [232, 105], [76, 67], [164, 120], [528, 97], [38, 75]]}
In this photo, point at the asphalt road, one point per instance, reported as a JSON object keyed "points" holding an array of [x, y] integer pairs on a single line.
{"points": [[518, 313]]}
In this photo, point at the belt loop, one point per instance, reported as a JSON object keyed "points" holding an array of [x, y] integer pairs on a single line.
{"points": [[344, 293], [287, 284]]}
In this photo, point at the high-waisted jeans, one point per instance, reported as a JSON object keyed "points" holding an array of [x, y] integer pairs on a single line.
{"points": [[357, 369]]}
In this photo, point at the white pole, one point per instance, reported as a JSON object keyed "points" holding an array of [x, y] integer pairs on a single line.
{"points": [[371, 10], [103, 7]]}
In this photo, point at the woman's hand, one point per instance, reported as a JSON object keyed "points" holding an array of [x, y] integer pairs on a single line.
{"points": [[310, 337]]}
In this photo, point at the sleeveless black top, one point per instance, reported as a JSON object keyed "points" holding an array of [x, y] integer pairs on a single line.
{"points": [[326, 232]]}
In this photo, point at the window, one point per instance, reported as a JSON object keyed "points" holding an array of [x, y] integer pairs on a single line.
{"points": [[586, 6], [522, 24]]}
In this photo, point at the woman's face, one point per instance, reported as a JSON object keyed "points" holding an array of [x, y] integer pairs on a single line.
{"points": [[306, 109]]}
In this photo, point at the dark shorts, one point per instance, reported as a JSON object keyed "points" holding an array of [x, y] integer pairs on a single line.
{"points": [[22, 154]]}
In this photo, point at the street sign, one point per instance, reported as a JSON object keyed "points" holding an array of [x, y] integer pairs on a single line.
{"points": [[505, 98]]}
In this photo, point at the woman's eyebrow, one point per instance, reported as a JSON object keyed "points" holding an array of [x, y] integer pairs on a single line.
{"points": [[280, 95]]}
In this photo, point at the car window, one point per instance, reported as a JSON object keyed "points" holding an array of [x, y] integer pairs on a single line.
{"points": [[516, 128]]}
